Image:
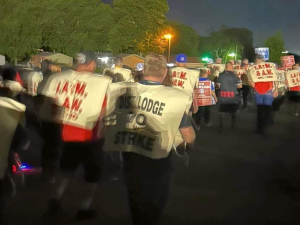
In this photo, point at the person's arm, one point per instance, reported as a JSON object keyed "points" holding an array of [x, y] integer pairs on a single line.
{"points": [[238, 82], [275, 93], [187, 131], [213, 93]]}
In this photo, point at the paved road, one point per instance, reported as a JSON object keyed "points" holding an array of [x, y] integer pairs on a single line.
{"points": [[235, 178]]}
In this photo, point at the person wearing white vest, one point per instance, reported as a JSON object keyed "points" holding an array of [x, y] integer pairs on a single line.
{"points": [[126, 73], [185, 79], [12, 133], [142, 121], [82, 96]]}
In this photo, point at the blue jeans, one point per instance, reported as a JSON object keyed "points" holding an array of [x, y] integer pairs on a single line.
{"points": [[264, 99]]}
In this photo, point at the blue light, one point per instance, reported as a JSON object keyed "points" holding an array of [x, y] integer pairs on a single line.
{"points": [[23, 167]]}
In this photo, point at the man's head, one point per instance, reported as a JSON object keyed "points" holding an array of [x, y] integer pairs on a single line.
{"points": [[239, 62], [232, 61], [155, 67], [218, 60], [229, 66], [181, 60], [203, 73], [259, 59], [295, 66], [86, 62], [119, 62], [246, 61]]}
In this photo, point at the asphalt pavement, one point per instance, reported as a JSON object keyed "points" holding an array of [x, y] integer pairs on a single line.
{"points": [[237, 177]]}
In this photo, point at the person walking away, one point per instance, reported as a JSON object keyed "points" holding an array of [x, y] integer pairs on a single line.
{"points": [[228, 83], [119, 68], [12, 131], [294, 95], [147, 111], [204, 111], [82, 96], [265, 92], [185, 79], [245, 87], [282, 90], [50, 129]]}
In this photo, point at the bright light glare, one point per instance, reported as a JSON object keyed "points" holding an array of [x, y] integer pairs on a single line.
{"points": [[232, 54], [105, 59], [168, 36]]}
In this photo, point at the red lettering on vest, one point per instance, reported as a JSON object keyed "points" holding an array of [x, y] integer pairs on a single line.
{"points": [[66, 103], [80, 88]]}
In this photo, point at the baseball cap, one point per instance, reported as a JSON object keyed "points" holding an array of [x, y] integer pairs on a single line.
{"points": [[260, 57], [139, 67], [181, 58]]}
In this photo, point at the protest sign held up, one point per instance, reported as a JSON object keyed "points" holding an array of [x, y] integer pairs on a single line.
{"points": [[293, 78], [204, 93], [263, 72]]}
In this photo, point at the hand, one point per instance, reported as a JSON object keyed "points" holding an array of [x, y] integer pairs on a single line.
{"points": [[275, 94]]}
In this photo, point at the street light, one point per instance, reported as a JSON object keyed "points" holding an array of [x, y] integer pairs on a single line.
{"points": [[169, 36]]}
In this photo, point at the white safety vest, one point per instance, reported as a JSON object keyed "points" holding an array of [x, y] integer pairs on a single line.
{"points": [[11, 112], [124, 72], [80, 96], [144, 118], [33, 80], [185, 79]]}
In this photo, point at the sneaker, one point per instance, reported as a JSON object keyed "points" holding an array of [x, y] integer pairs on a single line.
{"points": [[54, 206], [209, 124], [86, 214], [245, 109]]}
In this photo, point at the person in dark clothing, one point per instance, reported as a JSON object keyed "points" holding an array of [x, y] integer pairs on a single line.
{"points": [[204, 111], [229, 99], [49, 129], [148, 180], [246, 87]]}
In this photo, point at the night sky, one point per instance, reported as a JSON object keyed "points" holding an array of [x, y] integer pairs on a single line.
{"points": [[263, 17]]}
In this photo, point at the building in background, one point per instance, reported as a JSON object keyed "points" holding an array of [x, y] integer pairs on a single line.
{"points": [[56, 58]]}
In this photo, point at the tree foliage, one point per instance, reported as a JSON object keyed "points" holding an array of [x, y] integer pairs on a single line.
{"points": [[219, 44], [137, 22], [276, 46], [185, 40], [64, 26], [19, 29]]}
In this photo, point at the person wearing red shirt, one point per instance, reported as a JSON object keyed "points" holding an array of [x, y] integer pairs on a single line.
{"points": [[294, 95], [84, 146], [265, 92]]}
